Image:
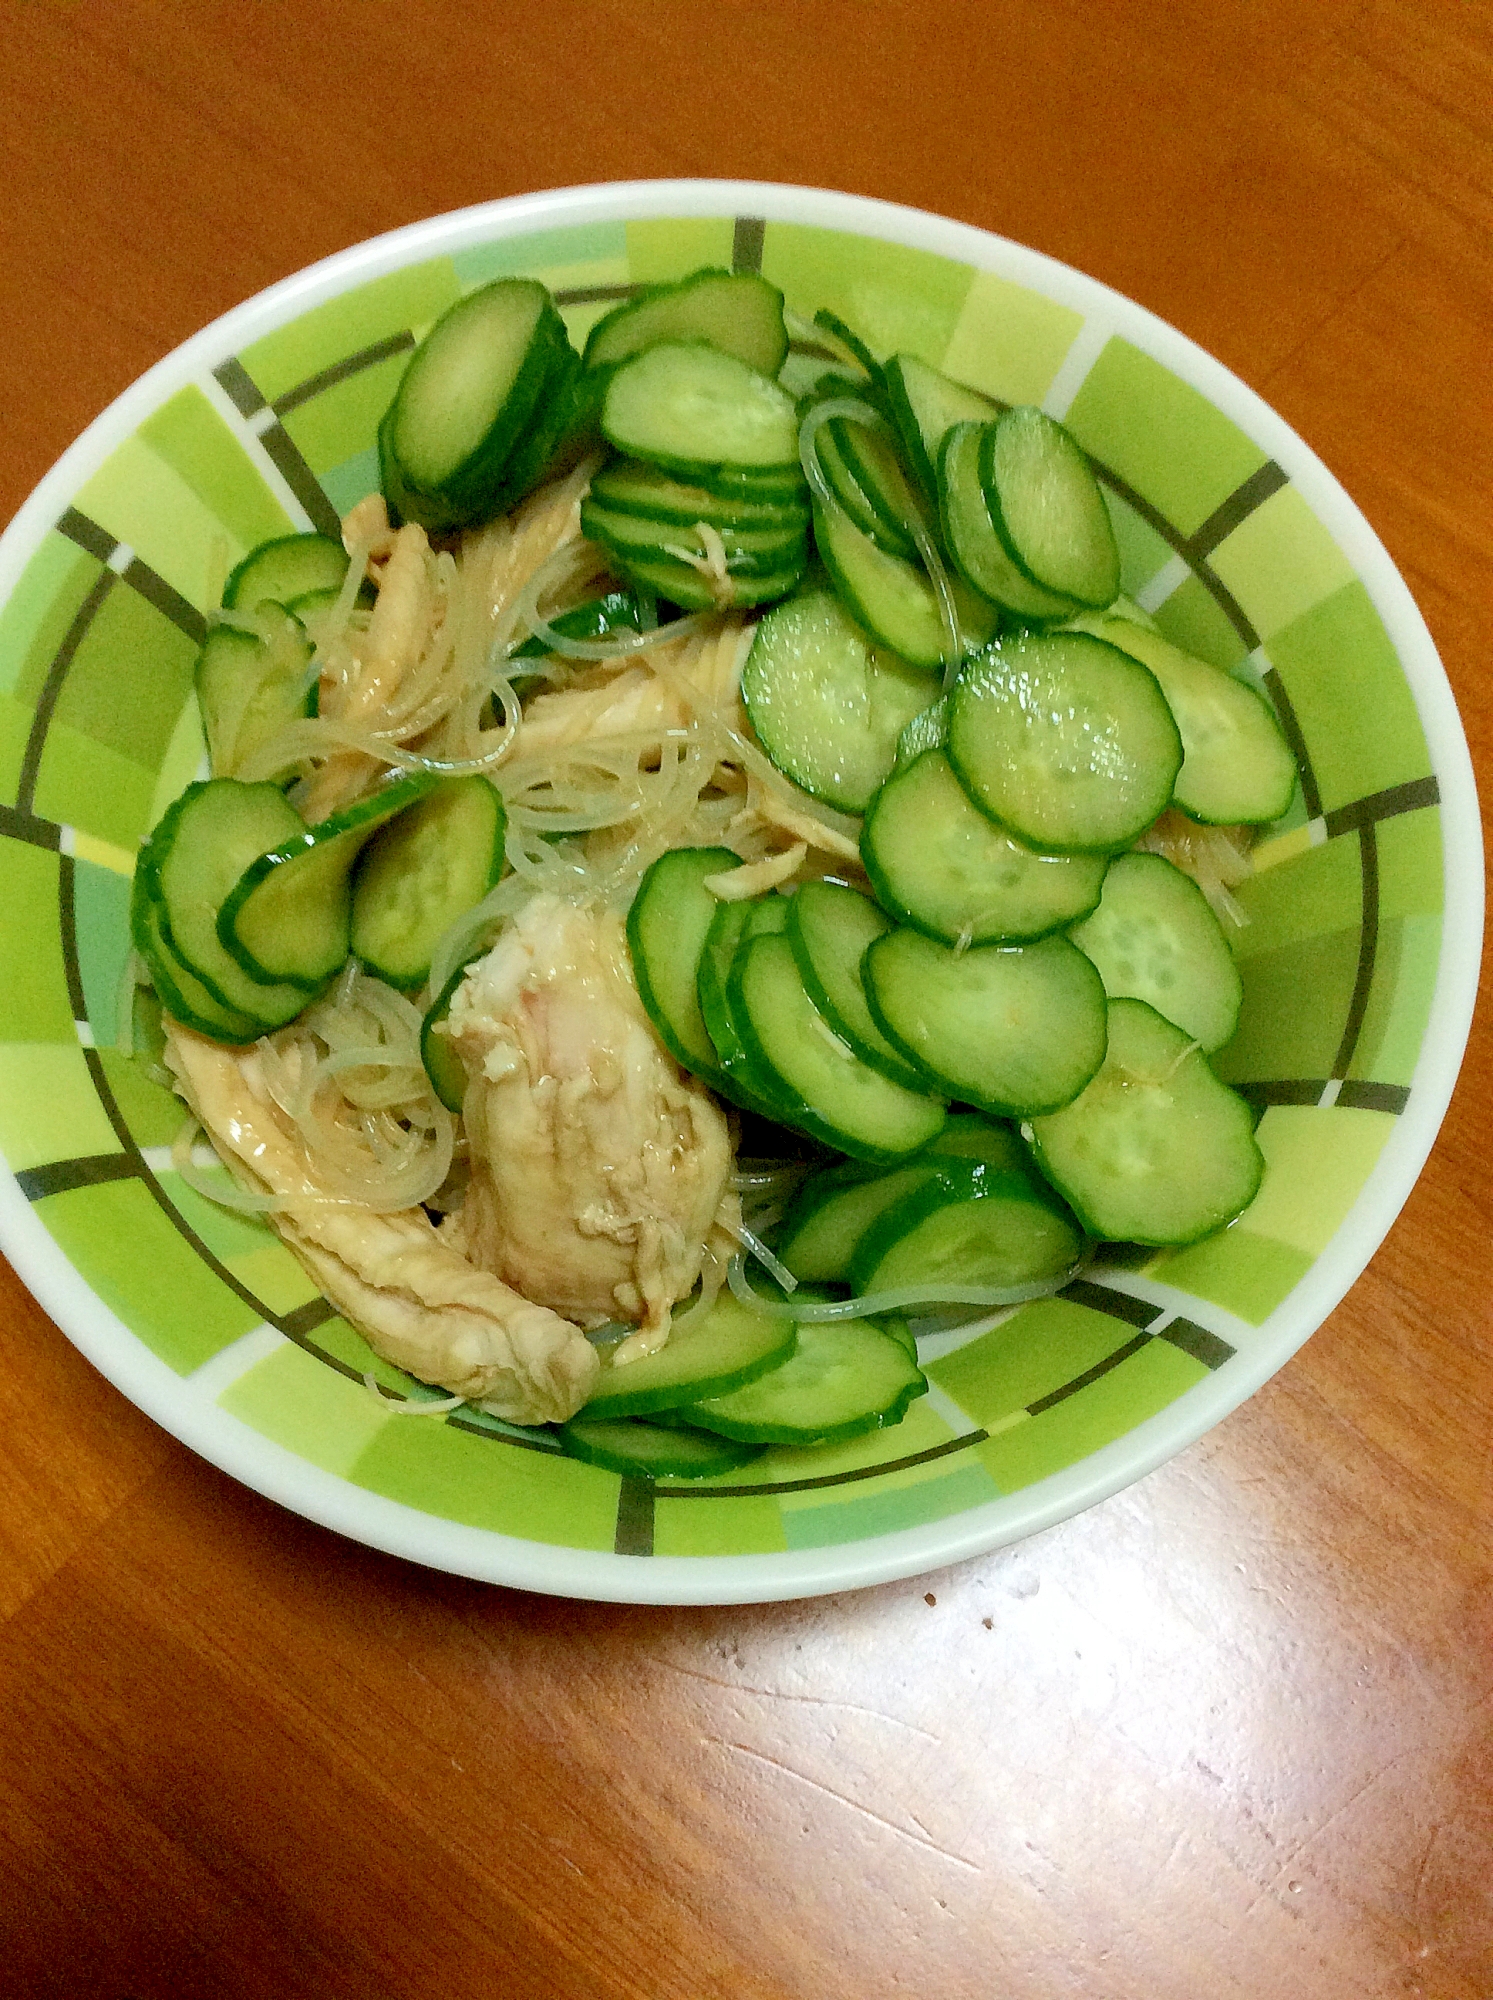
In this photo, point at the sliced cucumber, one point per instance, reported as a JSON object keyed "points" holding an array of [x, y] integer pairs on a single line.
{"points": [[832, 1212], [871, 468], [652, 1451], [845, 1377], [283, 569], [893, 599], [558, 434], [968, 1225], [614, 611], [444, 1067], [1155, 1149], [853, 497], [250, 685], [741, 1076], [421, 871], [1154, 938], [1047, 508], [729, 1347], [1013, 1029], [180, 992], [969, 1136], [736, 312], [1064, 739], [831, 323], [289, 915], [466, 398], [783, 484], [928, 730], [1237, 768], [947, 869], [829, 927], [696, 589], [692, 409], [827, 703], [667, 927], [834, 1095], [925, 407], [201, 847], [972, 539], [749, 552], [627, 486]]}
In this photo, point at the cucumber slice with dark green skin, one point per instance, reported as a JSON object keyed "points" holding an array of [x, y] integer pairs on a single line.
{"points": [[312, 603], [835, 327], [925, 406], [444, 1067], [829, 927], [785, 485], [651, 1451], [928, 730], [826, 702], [614, 611], [554, 438], [667, 926], [1047, 508], [466, 399], [895, 499], [944, 867], [845, 1377], [852, 497], [627, 486], [200, 849], [251, 684], [834, 1095], [289, 915], [967, 1226], [742, 1079], [750, 552], [1155, 1149], [285, 568], [1016, 1030], [1237, 768], [969, 1136], [693, 410], [736, 312], [180, 992], [728, 1348], [1065, 740], [421, 871], [1154, 938], [833, 1211], [973, 540], [893, 599], [692, 589]]}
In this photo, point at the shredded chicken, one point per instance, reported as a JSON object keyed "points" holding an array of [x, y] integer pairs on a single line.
{"points": [[660, 693], [366, 527], [755, 878], [600, 1170], [404, 616], [420, 1302], [767, 811]]}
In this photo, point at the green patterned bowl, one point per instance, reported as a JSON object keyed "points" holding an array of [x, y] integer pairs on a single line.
{"points": [[1359, 958]]}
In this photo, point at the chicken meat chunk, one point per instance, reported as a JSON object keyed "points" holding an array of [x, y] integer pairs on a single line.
{"points": [[421, 1304], [600, 1170]]}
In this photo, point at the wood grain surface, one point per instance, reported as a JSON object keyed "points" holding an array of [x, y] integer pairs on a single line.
{"points": [[1227, 1734]]}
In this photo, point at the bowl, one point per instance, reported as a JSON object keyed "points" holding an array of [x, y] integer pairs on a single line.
{"points": [[1359, 955]]}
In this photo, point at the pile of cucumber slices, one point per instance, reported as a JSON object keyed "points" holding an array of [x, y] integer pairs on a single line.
{"points": [[998, 1043]]}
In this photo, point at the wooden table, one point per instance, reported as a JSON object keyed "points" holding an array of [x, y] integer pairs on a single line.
{"points": [[1227, 1734]]}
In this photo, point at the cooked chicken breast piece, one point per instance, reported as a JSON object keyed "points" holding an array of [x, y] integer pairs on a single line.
{"points": [[420, 1303], [599, 1168]]}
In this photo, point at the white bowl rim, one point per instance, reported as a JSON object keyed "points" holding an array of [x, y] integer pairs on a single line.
{"points": [[380, 1523]]}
